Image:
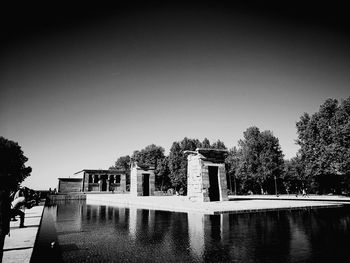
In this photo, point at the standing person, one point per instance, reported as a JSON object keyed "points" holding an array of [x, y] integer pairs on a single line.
{"points": [[5, 207]]}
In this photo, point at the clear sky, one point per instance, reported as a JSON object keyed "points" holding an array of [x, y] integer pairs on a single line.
{"points": [[79, 89]]}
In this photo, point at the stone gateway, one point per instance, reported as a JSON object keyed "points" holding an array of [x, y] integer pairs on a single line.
{"points": [[206, 175], [142, 180]]}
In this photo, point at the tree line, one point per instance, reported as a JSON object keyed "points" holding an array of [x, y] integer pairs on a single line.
{"points": [[257, 164]]}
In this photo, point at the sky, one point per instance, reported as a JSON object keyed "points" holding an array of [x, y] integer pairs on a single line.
{"points": [[81, 87]]}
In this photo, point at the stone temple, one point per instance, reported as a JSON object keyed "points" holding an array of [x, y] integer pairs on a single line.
{"points": [[142, 180], [206, 175], [89, 180]]}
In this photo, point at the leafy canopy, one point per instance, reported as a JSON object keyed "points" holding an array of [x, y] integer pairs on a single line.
{"points": [[12, 164]]}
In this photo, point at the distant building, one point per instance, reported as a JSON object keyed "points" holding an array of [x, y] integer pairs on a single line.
{"points": [[69, 185], [88, 180]]}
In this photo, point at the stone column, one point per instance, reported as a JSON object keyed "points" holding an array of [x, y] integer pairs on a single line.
{"points": [[86, 182], [108, 182], [206, 183], [123, 183], [223, 183], [113, 182], [100, 182], [152, 182], [133, 181], [139, 179]]}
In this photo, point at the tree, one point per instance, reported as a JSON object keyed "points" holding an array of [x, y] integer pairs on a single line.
{"points": [[232, 163], [178, 161], [123, 162], [177, 166], [324, 140], [12, 163], [205, 143], [293, 176], [218, 145], [261, 160], [163, 172], [150, 155], [271, 159]]}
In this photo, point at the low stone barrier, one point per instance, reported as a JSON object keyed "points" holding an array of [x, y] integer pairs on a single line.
{"points": [[162, 193], [64, 197]]}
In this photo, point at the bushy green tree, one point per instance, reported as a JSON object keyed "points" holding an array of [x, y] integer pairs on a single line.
{"points": [[178, 161], [205, 143], [261, 160], [163, 172], [152, 155], [324, 139], [218, 145], [123, 162], [271, 158], [293, 177], [12, 164], [232, 163]]}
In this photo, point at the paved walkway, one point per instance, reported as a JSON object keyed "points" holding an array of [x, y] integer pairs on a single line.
{"points": [[182, 204], [327, 198], [19, 245]]}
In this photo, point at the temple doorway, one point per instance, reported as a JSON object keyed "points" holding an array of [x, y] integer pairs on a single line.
{"points": [[104, 184], [214, 193], [145, 184]]}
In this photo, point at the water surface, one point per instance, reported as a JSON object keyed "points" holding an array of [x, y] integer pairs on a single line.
{"points": [[77, 232]]}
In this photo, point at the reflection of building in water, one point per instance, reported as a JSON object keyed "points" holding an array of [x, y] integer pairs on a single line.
{"points": [[94, 181], [99, 214], [142, 180], [133, 221], [151, 220], [69, 217], [141, 222], [201, 226], [121, 214], [225, 227], [206, 172], [196, 228]]}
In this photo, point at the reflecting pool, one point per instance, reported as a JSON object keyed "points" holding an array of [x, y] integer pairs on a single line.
{"points": [[78, 232]]}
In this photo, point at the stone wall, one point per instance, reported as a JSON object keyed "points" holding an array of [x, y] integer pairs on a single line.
{"points": [[223, 183], [194, 178], [66, 197], [104, 177], [68, 185]]}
